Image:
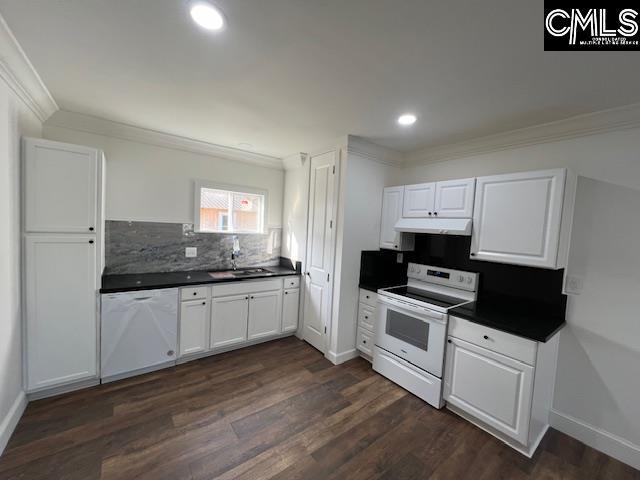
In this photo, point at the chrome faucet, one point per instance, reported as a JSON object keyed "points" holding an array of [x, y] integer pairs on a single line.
{"points": [[235, 252]]}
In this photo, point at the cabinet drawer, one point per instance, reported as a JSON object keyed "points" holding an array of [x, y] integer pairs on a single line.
{"points": [[365, 341], [368, 298], [366, 317], [291, 282], [495, 340], [194, 293]]}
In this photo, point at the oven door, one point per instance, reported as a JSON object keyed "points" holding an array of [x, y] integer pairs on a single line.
{"points": [[413, 333]]}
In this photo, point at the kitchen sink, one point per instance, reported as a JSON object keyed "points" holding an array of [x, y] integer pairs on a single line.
{"points": [[245, 272]]}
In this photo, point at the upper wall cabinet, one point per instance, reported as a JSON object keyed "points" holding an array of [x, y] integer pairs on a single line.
{"points": [[524, 218], [451, 199], [419, 200], [454, 199], [392, 200], [61, 187]]}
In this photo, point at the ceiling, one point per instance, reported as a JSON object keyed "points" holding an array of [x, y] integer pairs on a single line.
{"points": [[292, 75]]}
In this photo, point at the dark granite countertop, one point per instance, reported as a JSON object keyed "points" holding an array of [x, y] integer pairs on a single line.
{"points": [[150, 281], [525, 318]]}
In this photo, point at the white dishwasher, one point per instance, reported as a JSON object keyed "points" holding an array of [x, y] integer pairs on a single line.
{"points": [[139, 332]]}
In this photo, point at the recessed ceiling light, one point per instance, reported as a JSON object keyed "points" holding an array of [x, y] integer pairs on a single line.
{"points": [[407, 119], [207, 16]]}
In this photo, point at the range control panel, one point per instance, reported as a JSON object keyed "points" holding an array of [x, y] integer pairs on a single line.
{"points": [[443, 276]]}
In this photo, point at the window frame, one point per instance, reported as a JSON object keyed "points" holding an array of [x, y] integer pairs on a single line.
{"points": [[237, 189]]}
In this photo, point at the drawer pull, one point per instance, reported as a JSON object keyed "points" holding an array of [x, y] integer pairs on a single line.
{"points": [[449, 341], [486, 337], [364, 341], [195, 293], [366, 317]]}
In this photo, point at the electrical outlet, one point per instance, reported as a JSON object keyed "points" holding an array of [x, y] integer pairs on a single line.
{"points": [[573, 284], [191, 252]]}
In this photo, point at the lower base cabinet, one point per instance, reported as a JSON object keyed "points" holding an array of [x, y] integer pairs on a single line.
{"points": [[501, 382], [229, 319], [290, 307], [194, 327], [228, 315], [493, 388], [367, 311], [265, 310]]}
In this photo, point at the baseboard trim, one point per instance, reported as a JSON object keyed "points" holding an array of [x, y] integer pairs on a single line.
{"points": [[606, 442], [338, 358], [9, 422]]}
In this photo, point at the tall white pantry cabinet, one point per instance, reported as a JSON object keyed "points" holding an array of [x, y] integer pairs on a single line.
{"points": [[63, 233]]}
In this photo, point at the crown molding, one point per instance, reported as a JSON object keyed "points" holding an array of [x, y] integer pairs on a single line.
{"points": [[615, 119], [21, 77], [363, 148], [110, 128]]}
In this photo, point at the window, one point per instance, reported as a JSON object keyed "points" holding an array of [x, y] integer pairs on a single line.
{"points": [[228, 209]]}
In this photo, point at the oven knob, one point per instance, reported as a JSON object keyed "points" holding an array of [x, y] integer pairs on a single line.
{"points": [[460, 278]]}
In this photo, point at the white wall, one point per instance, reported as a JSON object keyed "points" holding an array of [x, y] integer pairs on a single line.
{"points": [[360, 204], [15, 120], [597, 390], [295, 208], [153, 183]]}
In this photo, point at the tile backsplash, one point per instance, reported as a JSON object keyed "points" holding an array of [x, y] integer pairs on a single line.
{"points": [[147, 247]]}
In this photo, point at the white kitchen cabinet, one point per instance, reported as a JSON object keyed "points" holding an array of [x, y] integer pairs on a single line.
{"points": [[454, 198], [229, 316], [265, 314], [501, 382], [392, 201], [367, 311], [290, 309], [195, 320], [524, 218], [61, 187], [61, 310], [419, 200], [491, 387]]}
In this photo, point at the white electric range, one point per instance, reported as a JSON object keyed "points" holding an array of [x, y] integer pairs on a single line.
{"points": [[411, 329]]}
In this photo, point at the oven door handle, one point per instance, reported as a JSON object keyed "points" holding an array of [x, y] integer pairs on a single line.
{"points": [[430, 314]]}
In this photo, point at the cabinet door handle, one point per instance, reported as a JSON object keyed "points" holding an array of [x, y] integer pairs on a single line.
{"points": [[435, 213], [429, 213], [204, 303], [195, 293], [91, 229], [286, 293], [90, 241], [448, 341], [252, 297], [486, 337], [246, 298], [366, 318]]}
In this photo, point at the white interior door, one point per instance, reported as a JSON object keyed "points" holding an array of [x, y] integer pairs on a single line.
{"points": [[61, 187], [265, 312], [61, 320], [320, 261], [517, 218]]}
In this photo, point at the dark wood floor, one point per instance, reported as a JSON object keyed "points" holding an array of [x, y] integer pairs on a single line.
{"points": [[279, 411]]}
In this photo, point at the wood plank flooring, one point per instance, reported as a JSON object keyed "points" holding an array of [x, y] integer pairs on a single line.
{"points": [[273, 411]]}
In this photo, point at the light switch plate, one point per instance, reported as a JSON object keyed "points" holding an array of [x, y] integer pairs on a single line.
{"points": [[573, 284], [191, 252]]}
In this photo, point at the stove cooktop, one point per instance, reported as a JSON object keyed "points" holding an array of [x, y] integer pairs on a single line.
{"points": [[423, 296]]}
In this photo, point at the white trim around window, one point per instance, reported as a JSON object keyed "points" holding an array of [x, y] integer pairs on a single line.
{"points": [[199, 185]]}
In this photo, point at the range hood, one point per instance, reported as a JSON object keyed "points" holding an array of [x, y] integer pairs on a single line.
{"points": [[444, 226]]}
